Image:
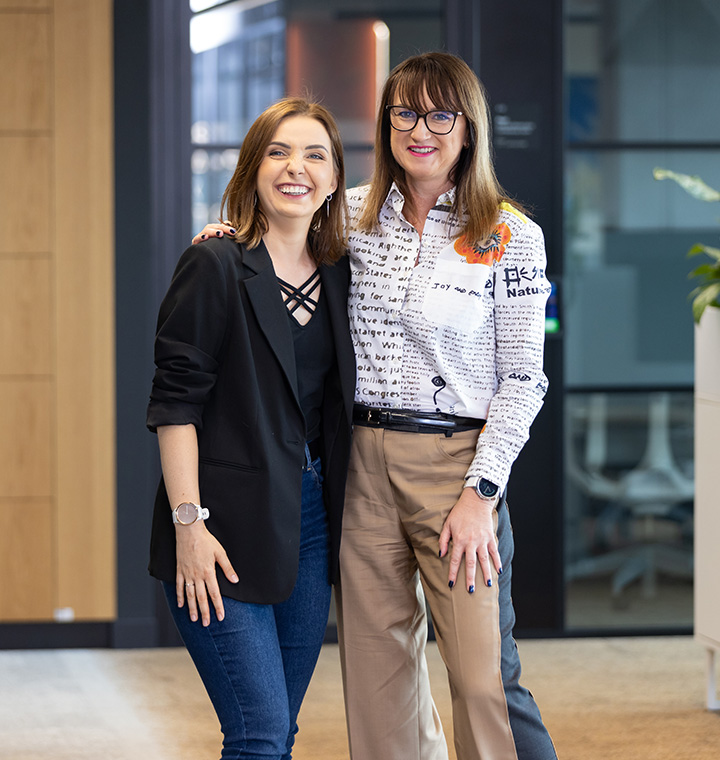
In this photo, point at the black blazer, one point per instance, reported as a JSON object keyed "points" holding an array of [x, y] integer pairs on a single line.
{"points": [[225, 363]]}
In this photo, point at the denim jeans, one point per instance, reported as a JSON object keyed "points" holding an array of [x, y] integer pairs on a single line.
{"points": [[256, 664]]}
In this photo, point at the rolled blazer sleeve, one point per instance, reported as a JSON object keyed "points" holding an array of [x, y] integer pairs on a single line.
{"points": [[190, 333]]}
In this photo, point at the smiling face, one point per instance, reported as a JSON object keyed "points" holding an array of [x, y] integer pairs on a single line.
{"points": [[297, 171], [427, 159]]}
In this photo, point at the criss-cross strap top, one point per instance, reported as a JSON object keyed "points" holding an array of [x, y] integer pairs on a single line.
{"points": [[313, 343], [301, 297]]}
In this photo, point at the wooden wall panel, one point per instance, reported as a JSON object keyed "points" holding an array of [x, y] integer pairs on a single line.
{"points": [[25, 328], [57, 401], [27, 561], [84, 305], [25, 5], [25, 71], [26, 192], [26, 441]]}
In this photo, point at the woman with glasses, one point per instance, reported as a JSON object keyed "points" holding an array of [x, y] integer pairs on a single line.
{"points": [[447, 315]]}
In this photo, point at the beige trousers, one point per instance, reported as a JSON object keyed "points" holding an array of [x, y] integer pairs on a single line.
{"points": [[401, 488]]}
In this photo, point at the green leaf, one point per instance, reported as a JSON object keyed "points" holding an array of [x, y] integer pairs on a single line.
{"points": [[705, 270], [691, 184], [708, 249], [706, 296]]}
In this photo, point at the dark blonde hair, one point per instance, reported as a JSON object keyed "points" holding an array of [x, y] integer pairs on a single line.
{"points": [[326, 237], [450, 84]]}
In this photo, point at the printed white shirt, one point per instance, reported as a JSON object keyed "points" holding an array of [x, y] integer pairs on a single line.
{"points": [[461, 331]]}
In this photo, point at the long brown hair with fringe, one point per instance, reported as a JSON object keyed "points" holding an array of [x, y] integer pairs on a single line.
{"points": [[450, 84], [326, 236]]}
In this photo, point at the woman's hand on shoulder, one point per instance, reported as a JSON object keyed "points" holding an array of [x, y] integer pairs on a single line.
{"points": [[217, 229]]}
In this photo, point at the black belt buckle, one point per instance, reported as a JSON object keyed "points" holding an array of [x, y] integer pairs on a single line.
{"points": [[374, 416]]}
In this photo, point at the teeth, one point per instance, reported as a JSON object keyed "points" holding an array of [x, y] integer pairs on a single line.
{"points": [[293, 190], [423, 150]]}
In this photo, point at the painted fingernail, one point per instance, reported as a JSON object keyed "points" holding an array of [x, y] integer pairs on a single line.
{"points": [[219, 233], [500, 571], [489, 582], [440, 553], [232, 230], [203, 237], [451, 583], [471, 590]]}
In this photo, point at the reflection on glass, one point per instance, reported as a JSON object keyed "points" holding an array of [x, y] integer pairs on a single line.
{"points": [[211, 172], [627, 317], [637, 68], [629, 510], [249, 53], [201, 5], [349, 91], [238, 70]]}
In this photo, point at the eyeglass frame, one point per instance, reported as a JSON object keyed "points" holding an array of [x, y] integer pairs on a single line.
{"points": [[424, 116]]}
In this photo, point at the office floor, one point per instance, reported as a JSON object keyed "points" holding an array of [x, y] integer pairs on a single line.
{"points": [[635, 699]]}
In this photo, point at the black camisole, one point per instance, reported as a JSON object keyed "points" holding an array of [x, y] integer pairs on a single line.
{"points": [[314, 348]]}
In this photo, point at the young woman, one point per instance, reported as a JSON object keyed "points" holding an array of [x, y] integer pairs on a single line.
{"points": [[447, 316], [251, 401]]}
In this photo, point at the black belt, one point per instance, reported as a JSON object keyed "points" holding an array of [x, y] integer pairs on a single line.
{"points": [[314, 449], [409, 421]]}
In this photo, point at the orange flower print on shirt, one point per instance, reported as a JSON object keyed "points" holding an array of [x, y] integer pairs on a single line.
{"points": [[475, 253]]}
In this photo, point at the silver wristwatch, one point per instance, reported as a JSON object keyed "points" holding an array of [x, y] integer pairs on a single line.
{"points": [[484, 488], [188, 513]]}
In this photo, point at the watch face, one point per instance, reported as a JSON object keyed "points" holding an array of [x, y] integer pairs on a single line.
{"points": [[486, 488], [186, 513]]}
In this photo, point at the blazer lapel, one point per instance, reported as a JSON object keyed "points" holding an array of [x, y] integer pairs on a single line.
{"points": [[264, 294]]}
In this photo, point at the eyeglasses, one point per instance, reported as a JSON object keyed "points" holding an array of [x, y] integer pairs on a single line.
{"points": [[438, 122]]}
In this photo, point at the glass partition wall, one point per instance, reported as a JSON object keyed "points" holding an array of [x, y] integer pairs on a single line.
{"points": [[639, 74], [248, 53]]}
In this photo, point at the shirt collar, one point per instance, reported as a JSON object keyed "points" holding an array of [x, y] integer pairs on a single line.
{"points": [[396, 199]]}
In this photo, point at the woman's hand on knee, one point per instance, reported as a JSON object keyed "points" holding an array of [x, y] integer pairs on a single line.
{"points": [[198, 552], [213, 230], [470, 527]]}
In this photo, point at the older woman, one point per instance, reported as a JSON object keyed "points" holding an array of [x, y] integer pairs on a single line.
{"points": [[447, 316], [447, 311], [251, 402]]}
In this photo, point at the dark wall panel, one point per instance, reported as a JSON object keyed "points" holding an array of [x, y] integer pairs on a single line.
{"points": [[520, 62], [136, 472]]}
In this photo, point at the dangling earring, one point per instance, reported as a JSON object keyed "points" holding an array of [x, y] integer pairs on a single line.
{"points": [[255, 201], [327, 204]]}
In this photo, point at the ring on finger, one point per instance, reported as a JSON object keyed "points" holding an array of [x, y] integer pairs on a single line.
{"points": [[189, 584]]}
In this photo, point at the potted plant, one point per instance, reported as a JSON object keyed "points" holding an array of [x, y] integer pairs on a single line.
{"points": [[707, 443]]}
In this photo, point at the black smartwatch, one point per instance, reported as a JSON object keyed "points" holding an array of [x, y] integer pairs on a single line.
{"points": [[485, 489]]}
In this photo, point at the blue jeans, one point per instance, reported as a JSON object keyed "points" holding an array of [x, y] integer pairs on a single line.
{"points": [[256, 664]]}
